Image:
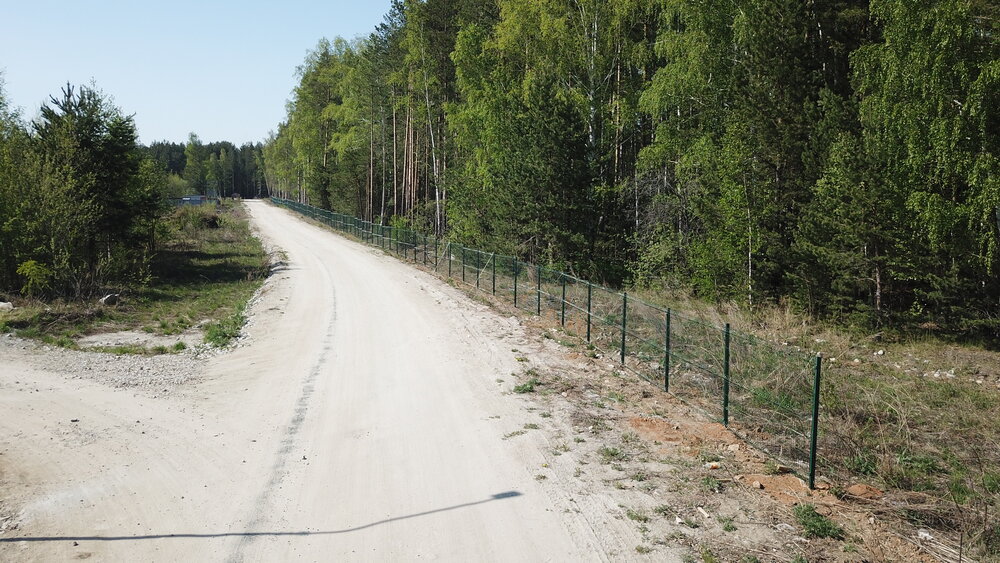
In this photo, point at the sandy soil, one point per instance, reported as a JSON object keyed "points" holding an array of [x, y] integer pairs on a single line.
{"points": [[368, 414], [362, 420]]}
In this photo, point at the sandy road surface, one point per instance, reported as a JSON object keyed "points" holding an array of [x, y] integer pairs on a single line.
{"points": [[360, 422]]}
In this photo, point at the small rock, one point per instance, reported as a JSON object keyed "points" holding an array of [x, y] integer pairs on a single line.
{"points": [[712, 465], [785, 527], [5, 306], [823, 510], [74, 420], [864, 491], [880, 353], [857, 361], [734, 447], [109, 299], [757, 485], [924, 535]]}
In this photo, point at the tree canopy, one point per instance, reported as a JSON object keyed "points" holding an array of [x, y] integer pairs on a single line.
{"points": [[841, 155]]}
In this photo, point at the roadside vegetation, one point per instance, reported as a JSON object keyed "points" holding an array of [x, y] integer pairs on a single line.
{"points": [[84, 213], [206, 268]]}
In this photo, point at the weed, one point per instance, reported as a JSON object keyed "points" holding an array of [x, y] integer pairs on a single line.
{"points": [[816, 525], [643, 549], [540, 477], [707, 556], [640, 476], [637, 515], [578, 440], [711, 484], [527, 387], [727, 524], [510, 435], [223, 332], [663, 510], [545, 415], [630, 438], [609, 454], [531, 426]]}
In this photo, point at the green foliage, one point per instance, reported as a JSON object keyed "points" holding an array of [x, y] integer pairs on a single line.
{"points": [[815, 524], [225, 331], [528, 386], [37, 277], [77, 196], [840, 154]]}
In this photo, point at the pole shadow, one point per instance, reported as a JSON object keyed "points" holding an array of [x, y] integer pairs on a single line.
{"points": [[498, 496]]}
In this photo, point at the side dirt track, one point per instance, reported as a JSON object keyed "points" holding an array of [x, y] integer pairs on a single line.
{"points": [[368, 414]]}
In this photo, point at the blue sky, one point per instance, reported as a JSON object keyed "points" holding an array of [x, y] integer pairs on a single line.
{"points": [[221, 69]]}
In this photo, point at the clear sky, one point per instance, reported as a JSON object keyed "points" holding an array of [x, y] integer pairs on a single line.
{"points": [[219, 68]]}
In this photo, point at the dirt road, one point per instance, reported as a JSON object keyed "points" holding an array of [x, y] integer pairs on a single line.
{"points": [[361, 420]]}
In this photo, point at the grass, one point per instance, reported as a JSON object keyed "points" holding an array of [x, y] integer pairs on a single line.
{"points": [[610, 454], [637, 515], [528, 386], [206, 268], [815, 524]]}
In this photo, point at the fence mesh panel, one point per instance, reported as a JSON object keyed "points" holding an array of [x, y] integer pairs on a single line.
{"points": [[770, 386]]}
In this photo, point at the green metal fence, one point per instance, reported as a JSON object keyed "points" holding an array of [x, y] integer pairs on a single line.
{"points": [[766, 393]]}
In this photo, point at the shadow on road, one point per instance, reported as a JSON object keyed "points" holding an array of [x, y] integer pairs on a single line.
{"points": [[498, 496]]}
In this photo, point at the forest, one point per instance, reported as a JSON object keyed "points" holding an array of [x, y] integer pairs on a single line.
{"points": [[216, 169], [838, 156], [82, 201]]}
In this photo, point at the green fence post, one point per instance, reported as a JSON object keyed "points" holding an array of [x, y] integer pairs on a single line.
{"points": [[515, 282], [815, 422], [425, 250], [666, 356], [590, 294], [725, 380], [479, 266], [436, 257], [624, 323], [538, 290], [447, 250], [493, 264], [562, 317], [463, 263]]}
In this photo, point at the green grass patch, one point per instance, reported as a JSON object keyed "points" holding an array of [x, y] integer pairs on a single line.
{"points": [[528, 386], [206, 268], [815, 524]]}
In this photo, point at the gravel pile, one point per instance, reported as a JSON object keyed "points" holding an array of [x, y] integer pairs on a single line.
{"points": [[115, 370]]}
